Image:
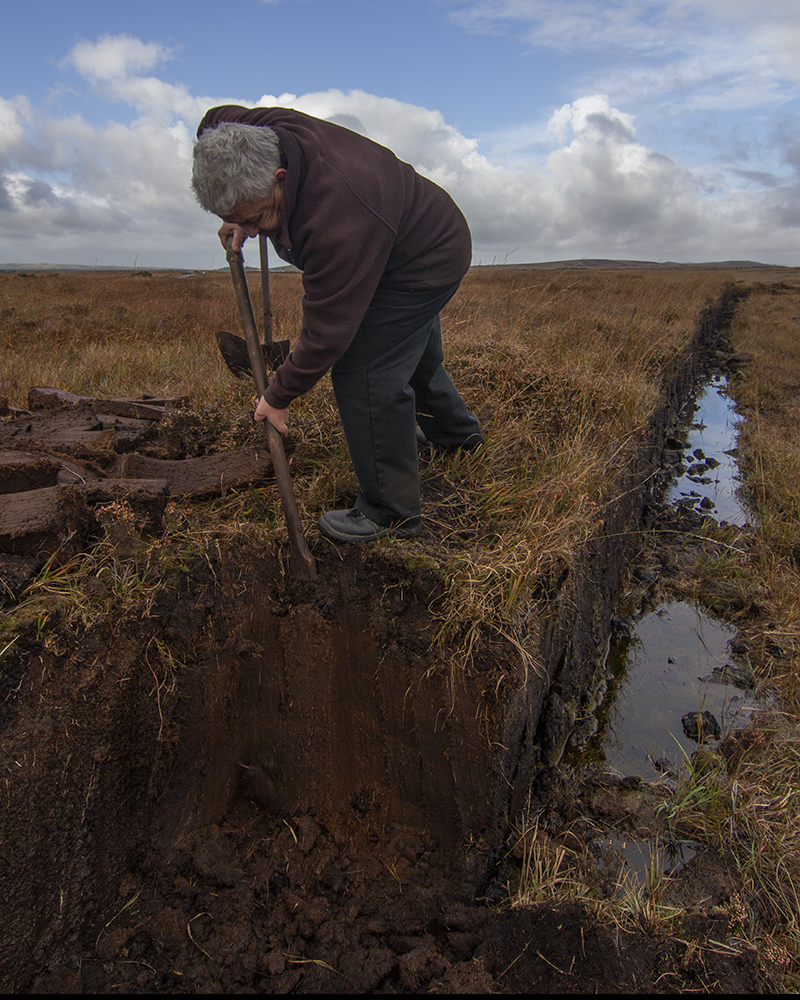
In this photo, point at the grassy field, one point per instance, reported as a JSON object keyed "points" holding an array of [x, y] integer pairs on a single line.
{"points": [[564, 369]]}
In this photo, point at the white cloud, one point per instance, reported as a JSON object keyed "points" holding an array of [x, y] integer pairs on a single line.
{"points": [[660, 26], [74, 192], [417, 135], [662, 46], [115, 56], [599, 192], [576, 25], [114, 65], [611, 188], [85, 192], [13, 116]]}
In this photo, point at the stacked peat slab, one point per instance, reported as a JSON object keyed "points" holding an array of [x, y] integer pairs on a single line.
{"points": [[66, 456]]}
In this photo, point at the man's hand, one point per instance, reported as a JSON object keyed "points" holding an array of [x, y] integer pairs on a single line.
{"points": [[228, 229], [277, 418]]}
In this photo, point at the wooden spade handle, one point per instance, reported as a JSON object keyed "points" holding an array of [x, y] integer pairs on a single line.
{"points": [[265, 296], [301, 561]]}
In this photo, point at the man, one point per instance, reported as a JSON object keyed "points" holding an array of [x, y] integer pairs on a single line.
{"points": [[382, 250]]}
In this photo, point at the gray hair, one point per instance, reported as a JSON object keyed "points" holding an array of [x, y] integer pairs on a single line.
{"points": [[233, 163]]}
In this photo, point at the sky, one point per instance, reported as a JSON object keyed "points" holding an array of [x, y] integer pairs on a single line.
{"points": [[629, 129]]}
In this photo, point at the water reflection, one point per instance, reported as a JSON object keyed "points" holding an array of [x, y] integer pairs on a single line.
{"points": [[671, 666], [711, 480]]}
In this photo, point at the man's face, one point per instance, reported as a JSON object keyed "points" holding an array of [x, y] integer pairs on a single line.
{"points": [[260, 216]]}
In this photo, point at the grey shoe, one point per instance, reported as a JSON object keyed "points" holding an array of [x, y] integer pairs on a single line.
{"points": [[353, 526], [426, 448]]}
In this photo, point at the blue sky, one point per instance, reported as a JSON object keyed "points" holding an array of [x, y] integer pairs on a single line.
{"points": [[563, 128]]}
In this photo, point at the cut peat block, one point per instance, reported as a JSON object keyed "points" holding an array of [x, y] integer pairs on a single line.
{"points": [[61, 519], [20, 471], [145, 408], [200, 477], [75, 440]]}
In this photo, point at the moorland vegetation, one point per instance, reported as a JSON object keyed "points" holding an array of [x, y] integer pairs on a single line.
{"points": [[564, 369]]}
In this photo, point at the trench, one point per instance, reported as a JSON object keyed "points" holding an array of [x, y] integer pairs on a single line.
{"points": [[308, 748], [675, 676], [671, 661]]}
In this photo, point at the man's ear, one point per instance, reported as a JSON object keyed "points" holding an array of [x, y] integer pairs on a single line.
{"points": [[280, 175]]}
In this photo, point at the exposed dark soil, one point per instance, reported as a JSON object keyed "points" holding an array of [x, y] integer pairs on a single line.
{"points": [[161, 836], [229, 781]]}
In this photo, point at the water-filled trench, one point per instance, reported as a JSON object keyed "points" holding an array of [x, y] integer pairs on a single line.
{"points": [[677, 660]]}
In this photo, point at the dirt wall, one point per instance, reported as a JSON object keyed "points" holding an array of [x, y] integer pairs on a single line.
{"points": [[325, 698]]}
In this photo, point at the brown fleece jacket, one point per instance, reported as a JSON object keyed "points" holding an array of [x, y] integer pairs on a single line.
{"points": [[355, 219]]}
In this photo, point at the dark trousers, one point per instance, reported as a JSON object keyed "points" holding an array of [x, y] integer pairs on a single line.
{"points": [[390, 377]]}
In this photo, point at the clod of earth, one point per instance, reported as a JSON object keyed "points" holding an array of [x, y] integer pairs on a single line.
{"points": [[701, 726]]}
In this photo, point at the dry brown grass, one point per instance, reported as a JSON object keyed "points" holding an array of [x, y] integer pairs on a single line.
{"points": [[563, 369], [763, 583], [746, 801], [117, 334]]}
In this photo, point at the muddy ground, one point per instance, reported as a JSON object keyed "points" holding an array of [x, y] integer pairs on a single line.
{"points": [[245, 784]]}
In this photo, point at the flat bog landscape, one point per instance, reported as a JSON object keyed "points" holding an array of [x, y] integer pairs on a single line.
{"points": [[220, 778]]}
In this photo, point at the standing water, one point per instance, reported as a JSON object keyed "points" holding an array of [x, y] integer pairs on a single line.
{"points": [[678, 661], [711, 479]]}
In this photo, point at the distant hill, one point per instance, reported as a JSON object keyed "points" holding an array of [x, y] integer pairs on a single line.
{"points": [[584, 263], [100, 268], [592, 263]]}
